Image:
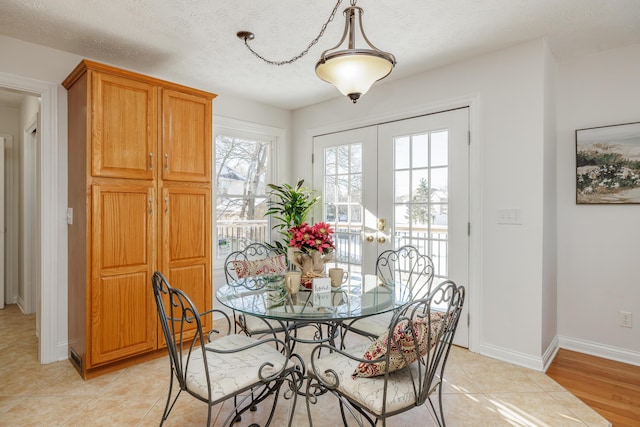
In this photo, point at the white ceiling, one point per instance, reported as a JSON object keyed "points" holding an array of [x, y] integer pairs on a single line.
{"points": [[194, 42]]}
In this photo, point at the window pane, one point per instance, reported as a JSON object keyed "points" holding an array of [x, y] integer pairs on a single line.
{"points": [[401, 152], [402, 186], [330, 161], [242, 167], [356, 158], [343, 159], [420, 151], [439, 148], [420, 185]]}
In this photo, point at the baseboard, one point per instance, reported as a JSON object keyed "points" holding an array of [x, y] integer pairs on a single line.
{"points": [[521, 359], [600, 350], [62, 351], [550, 354], [515, 357]]}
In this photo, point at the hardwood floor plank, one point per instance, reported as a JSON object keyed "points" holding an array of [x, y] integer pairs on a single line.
{"points": [[611, 388]]}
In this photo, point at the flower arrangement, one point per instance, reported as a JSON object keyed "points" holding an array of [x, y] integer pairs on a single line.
{"points": [[310, 248], [317, 237]]}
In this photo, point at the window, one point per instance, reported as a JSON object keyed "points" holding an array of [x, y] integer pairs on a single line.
{"points": [[244, 165]]}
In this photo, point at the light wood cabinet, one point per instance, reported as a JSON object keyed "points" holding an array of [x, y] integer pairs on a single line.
{"points": [[140, 188]]}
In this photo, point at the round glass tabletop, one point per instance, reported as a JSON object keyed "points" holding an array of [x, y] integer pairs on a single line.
{"points": [[268, 298]]}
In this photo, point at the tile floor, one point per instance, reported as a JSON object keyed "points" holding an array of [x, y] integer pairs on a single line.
{"points": [[479, 391]]}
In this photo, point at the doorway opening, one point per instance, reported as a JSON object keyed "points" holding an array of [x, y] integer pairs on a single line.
{"points": [[51, 246]]}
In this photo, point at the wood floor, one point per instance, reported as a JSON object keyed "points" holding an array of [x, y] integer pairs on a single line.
{"points": [[610, 388]]}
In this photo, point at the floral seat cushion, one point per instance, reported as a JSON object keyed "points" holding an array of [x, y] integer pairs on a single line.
{"points": [[403, 346], [271, 266]]}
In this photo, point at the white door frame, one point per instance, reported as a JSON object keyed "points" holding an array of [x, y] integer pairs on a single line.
{"points": [[11, 219], [2, 223], [29, 228], [475, 188], [53, 236]]}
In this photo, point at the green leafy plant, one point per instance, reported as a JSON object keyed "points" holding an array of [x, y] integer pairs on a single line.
{"points": [[289, 206]]}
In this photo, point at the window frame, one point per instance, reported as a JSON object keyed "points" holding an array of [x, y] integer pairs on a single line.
{"points": [[276, 137]]}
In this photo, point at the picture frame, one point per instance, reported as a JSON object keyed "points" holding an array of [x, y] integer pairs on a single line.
{"points": [[608, 164]]}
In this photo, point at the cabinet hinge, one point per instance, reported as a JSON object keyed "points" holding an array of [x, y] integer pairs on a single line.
{"points": [[312, 158], [468, 229], [468, 137]]}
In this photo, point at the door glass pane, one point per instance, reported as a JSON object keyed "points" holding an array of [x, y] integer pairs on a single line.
{"points": [[420, 151], [402, 152], [343, 203], [421, 195]]}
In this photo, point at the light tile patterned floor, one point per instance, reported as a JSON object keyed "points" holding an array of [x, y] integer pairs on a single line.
{"points": [[479, 391]]}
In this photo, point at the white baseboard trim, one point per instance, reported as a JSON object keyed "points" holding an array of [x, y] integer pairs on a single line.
{"points": [[521, 359], [550, 354], [600, 350], [62, 351], [510, 356]]}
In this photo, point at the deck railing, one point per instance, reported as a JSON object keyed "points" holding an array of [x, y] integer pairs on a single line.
{"points": [[431, 241]]}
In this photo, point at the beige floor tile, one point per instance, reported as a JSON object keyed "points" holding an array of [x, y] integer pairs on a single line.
{"points": [[42, 411], [112, 411], [477, 391], [533, 409], [582, 411]]}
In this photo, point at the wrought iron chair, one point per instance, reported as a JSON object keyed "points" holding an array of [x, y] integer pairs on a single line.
{"points": [[214, 370], [405, 266], [400, 370], [241, 268]]}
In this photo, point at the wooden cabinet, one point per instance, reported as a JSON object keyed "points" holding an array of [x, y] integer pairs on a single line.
{"points": [[140, 188]]}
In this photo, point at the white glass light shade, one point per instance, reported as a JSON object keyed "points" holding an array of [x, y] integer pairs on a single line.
{"points": [[354, 71]]}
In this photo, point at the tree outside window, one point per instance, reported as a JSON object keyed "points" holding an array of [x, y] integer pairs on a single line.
{"points": [[242, 172]]}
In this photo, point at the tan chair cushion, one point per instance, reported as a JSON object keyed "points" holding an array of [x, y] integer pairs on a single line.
{"points": [[231, 372]]}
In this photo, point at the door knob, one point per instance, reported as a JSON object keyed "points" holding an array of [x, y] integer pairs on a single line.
{"points": [[370, 238]]}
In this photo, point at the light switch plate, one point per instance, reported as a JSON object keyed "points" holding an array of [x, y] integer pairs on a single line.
{"points": [[509, 216]]}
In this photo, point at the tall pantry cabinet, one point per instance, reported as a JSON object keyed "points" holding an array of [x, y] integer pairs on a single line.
{"points": [[140, 190]]}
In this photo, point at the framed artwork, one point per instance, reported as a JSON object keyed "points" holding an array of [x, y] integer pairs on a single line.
{"points": [[608, 164]]}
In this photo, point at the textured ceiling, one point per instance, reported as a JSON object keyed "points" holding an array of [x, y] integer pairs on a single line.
{"points": [[194, 42]]}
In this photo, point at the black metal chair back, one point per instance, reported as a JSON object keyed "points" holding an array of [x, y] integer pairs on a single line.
{"points": [[406, 265]]}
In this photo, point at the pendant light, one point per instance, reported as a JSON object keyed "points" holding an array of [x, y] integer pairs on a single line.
{"points": [[352, 70]]}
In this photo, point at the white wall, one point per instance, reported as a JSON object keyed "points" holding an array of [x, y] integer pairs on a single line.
{"points": [[508, 143], [49, 65], [9, 125], [598, 245]]}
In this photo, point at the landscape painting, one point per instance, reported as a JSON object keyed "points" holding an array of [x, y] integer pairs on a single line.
{"points": [[608, 164]]}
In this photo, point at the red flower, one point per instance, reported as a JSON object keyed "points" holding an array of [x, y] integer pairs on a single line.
{"points": [[315, 237]]}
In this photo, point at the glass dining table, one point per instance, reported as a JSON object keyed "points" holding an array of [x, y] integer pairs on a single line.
{"points": [[268, 299]]}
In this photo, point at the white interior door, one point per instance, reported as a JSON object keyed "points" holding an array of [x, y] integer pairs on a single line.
{"points": [[399, 183], [2, 224]]}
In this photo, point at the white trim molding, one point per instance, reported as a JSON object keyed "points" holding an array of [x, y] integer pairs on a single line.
{"points": [[600, 350], [52, 280]]}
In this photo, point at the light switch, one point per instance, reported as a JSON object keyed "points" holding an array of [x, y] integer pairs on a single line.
{"points": [[509, 216]]}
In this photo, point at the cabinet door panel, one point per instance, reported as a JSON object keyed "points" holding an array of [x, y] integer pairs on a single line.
{"points": [[186, 242], [124, 131], [186, 137], [123, 313]]}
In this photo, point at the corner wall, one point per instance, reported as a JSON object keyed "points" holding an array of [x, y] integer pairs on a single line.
{"points": [[597, 244]]}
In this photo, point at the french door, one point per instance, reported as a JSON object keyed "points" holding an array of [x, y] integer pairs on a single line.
{"points": [[395, 184]]}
